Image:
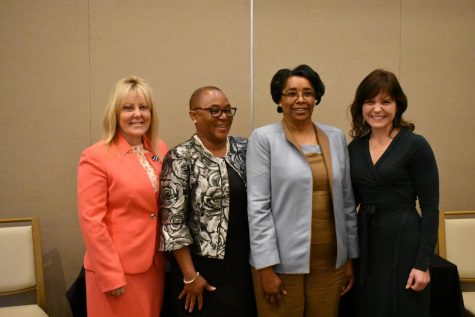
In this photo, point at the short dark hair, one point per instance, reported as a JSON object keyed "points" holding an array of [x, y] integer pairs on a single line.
{"points": [[379, 80], [279, 80]]}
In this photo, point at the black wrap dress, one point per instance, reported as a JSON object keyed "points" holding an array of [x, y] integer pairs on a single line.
{"points": [[394, 237]]}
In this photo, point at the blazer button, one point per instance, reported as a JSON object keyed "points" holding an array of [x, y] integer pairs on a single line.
{"points": [[153, 216]]}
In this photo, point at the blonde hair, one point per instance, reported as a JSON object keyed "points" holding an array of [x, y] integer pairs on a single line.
{"points": [[120, 91]]}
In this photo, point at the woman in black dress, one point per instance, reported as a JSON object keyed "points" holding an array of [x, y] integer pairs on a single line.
{"points": [[391, 168], [204, 215]]}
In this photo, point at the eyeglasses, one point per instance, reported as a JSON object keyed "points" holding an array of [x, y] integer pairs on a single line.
{"points": [[216, 112], [294, 95]]}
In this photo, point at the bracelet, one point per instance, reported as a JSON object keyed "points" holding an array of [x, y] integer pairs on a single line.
{"points": [[192, 280]]}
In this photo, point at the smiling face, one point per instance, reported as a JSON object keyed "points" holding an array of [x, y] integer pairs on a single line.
{"points": [[379, 112], [298, 100], [134, 117], [211, 130]]}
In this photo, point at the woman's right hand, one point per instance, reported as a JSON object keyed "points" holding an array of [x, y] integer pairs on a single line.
{"points": [[194, 292], [272, 287], [117, 292]]}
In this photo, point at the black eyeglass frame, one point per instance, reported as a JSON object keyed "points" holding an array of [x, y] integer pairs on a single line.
{"points": [[216, 112]]}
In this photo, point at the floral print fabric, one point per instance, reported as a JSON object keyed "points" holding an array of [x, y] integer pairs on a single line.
{"points": [[139, 151], [194, 196]]}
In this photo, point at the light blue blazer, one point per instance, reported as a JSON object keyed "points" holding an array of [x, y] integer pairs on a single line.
{"points": [[279, 190]]}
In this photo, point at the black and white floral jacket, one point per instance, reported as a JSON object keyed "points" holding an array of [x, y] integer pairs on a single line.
{"points": [[194, 196]]}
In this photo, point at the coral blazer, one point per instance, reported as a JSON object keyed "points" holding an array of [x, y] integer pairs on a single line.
{"points": [[118, 211]]}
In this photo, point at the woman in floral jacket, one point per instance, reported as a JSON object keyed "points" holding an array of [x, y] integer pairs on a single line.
{"points": [[204, 214]]}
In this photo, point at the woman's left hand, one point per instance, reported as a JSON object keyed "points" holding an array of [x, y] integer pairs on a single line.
{"points": [[418, 280], [350, 277], [193, 293]]}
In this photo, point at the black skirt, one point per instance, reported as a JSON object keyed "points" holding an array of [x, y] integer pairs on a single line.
{"points": [[234, 295]]}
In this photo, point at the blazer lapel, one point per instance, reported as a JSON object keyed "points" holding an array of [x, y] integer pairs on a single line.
{"points": [[155, 159], [136, 167], [291, 138], [327, 157], [324, 145]]}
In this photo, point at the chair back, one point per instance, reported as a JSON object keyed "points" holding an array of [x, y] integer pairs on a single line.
{"points": [[21, 267], [456, 236]]}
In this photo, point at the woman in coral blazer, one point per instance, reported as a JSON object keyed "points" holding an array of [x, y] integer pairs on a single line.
{"points": [[117, 202]]}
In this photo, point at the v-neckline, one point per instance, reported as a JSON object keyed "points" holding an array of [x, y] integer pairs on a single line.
{"points": [[385, 152]]}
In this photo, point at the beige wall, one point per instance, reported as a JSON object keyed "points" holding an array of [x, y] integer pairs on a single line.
{"points": [[59, 60]]}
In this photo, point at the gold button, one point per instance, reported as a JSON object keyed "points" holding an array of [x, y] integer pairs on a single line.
{"points": [[153, 216]]}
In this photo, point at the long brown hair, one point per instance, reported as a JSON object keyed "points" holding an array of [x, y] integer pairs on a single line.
{"points": [[377, 81]]}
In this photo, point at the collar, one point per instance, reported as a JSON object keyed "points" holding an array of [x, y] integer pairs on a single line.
{"points": [[324, 144], [206, 151], [290, 137], [125, 147]]}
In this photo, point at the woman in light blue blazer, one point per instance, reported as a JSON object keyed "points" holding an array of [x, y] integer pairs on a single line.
{"points": [[301, 208]]}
